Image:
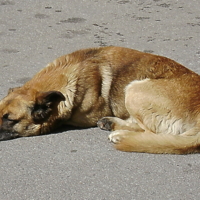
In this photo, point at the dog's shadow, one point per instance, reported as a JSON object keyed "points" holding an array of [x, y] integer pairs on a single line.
{"points": [[65, 128], [61, 129]]}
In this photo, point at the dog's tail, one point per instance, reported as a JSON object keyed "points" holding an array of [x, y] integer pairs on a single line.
{"points": [[159, 143]]}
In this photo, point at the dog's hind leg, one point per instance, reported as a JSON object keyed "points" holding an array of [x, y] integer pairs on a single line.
{"points": [[117, 136], [115, 123]]}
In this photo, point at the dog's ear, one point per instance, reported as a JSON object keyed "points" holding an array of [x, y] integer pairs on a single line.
{"points": [[45, 103]]}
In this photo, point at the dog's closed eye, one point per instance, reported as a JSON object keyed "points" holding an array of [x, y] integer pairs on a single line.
{"points": [[5, 116], [8, 119]]}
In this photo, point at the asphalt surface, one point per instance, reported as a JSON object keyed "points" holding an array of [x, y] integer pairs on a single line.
{"points": [[82, 164]]}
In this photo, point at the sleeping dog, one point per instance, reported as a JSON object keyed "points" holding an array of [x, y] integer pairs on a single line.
{"points": [[151, 103]]}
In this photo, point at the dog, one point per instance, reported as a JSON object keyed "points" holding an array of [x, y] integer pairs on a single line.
{"points": [[150, 102]]}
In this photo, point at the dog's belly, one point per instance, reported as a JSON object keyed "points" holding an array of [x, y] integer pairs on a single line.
{"points": [[89, 117]]}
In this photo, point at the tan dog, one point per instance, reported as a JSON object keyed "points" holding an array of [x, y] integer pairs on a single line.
{"points": [[161, 112]]}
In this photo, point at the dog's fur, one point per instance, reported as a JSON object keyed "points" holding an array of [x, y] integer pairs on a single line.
{"points": [[153, 103]]}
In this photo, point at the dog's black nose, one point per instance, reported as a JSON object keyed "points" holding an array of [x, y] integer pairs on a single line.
{"points": [[6, 135]]}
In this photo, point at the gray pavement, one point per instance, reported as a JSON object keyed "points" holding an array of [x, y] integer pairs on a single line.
{"points": [[82, 164]]}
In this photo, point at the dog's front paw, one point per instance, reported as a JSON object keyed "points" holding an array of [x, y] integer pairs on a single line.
{"points": [[105, 124], [115, 137]]}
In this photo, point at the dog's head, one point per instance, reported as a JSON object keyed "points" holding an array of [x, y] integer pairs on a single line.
{"points": [[28, 112]]}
